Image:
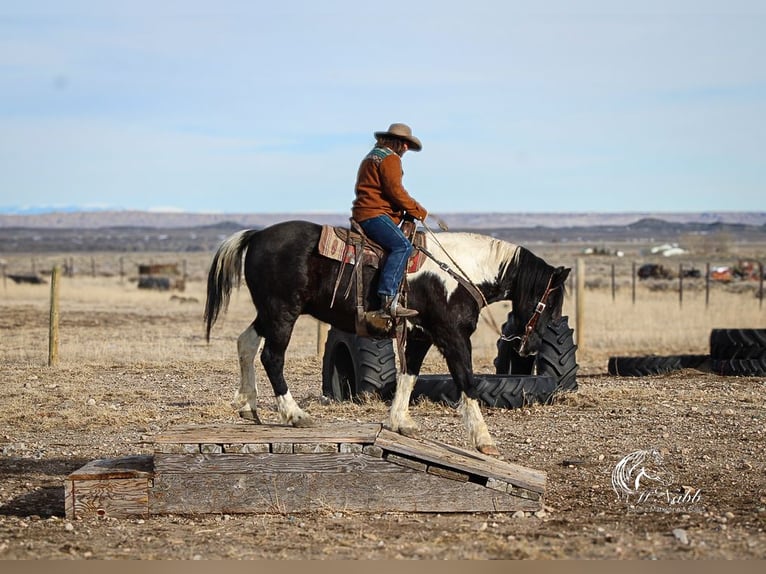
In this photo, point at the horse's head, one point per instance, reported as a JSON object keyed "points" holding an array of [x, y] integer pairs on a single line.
{"points": [[537, 296]]}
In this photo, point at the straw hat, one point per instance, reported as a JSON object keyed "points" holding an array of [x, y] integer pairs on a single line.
{"points": [[402, 131]]}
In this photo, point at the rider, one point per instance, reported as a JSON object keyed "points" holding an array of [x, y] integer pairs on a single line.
{"points": [[381, 202]]}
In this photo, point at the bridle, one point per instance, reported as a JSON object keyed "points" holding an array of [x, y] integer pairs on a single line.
{"points": [[478, 296], [532, 323]]}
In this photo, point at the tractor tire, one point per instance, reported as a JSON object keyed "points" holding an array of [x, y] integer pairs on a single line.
{"points": [[353, 366], [496, 391], [739, 367], [643, 366], [694, 361], [508, 361], [556, 356], [738, 344], [436, 388]]}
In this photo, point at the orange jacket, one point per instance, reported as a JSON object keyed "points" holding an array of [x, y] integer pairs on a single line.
{"points": [[379, 189]]}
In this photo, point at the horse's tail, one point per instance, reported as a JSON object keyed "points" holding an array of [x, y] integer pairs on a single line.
{"points": [[225, 271]]}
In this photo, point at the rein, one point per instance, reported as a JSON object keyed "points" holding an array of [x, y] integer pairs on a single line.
{"points": [[461, 278], [478, 296], [532, 323]]}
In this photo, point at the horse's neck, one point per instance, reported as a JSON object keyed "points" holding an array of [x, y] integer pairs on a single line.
{"points": [[478, 256]]}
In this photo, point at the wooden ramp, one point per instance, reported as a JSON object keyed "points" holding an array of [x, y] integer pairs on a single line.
{"points": [[245, 468]]}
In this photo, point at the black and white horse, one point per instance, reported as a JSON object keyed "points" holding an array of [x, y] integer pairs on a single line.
{"points": [[288, 277]]}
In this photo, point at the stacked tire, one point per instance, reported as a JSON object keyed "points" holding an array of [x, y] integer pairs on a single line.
{"points": [[645, 366], [354, 366], [733, 352], [738, 352]]}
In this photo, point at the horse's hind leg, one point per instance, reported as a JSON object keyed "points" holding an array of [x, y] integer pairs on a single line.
{"points": [[273, 360], [247, 395]]}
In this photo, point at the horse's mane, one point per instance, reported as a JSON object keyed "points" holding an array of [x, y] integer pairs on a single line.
{"points": [[529, 274]]}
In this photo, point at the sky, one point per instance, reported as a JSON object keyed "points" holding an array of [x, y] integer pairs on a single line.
{"points": [[263, 106]]}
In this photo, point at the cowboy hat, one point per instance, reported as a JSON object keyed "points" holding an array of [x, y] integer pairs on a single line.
{"points": [[403, 132]]}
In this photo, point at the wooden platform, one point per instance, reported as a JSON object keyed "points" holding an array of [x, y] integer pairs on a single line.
{"points": [[245, 468]]}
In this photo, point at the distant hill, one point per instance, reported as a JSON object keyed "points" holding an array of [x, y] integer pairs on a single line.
{"points": [[136, 231], [102, 219]]}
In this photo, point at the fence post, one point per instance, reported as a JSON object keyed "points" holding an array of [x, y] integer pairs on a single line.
{"points": [[53, 335], [580, 303], [760, 289], [633, 295], [707, 284], [613, 286], [680, 285]]}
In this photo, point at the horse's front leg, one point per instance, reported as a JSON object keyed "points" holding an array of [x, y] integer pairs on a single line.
{"points": [[460, 367], [399, 419], [478, 432], [273, 360]]}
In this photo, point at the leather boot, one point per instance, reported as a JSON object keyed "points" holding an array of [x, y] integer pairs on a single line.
{"points": [[391, 307]]}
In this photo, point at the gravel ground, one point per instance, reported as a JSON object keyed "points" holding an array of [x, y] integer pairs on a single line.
{"points": [[108, 398]]}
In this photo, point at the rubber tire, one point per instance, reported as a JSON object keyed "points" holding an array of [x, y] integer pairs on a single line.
{"points": [[738, 343], [353, 366], [694, 361], [497, 391], [508, 361], [739, 367], [555, 357], [644, 366]]}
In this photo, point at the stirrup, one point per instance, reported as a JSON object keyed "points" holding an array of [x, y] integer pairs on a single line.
{"points": [[390, 305]]}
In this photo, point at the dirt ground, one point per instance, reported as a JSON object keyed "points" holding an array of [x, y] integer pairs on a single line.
{"points": [[132, 368]]}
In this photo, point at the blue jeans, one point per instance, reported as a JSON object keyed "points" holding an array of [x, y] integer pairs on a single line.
{"points": [[383, 230]]}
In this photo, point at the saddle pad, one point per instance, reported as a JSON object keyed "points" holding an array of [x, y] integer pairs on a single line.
{"points": [[333, 244]]}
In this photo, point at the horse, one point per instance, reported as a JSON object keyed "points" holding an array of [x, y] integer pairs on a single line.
{"points": [[287, 277]]}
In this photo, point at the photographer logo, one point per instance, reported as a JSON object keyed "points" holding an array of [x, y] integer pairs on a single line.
{"points": [[644, 481]]}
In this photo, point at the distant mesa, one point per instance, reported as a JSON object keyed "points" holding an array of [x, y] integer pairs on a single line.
{"points": [[67, 218]]}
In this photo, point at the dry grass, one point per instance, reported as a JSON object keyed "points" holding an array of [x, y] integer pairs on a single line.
{"points": [[657, 324], [171, 328]]}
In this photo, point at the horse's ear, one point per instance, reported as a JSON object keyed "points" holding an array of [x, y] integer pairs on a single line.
{"points": [[560, 275]]}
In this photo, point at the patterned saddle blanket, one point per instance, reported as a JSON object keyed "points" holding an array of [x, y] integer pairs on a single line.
{"points": [[338, 243]]}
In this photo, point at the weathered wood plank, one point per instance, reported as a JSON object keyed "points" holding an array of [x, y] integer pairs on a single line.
{"points": [[246, 448], [405, 490], [116, 487], [110, 497], [448, 473], [136, 466], [463, 460], [251, 433], [234, 463], [315, 447], [406, 461]]}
